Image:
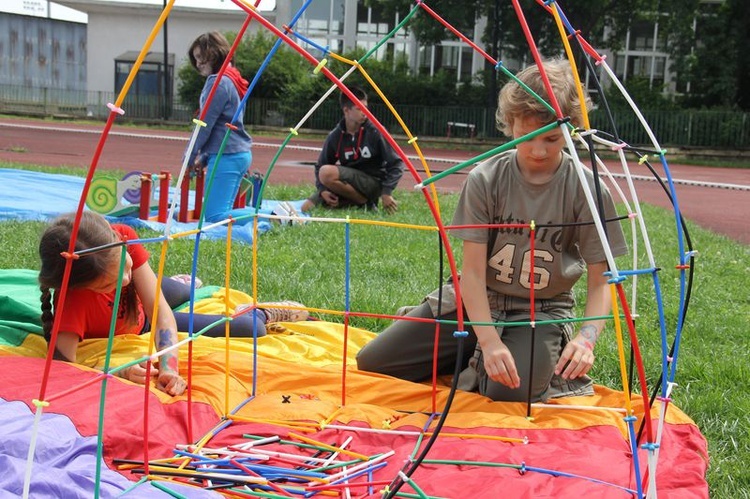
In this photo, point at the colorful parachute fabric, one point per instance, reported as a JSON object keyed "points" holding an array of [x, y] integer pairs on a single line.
{"points": [[484, 448]]}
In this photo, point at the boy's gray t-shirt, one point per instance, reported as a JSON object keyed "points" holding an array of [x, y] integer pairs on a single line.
{"points": [[496, 193]]}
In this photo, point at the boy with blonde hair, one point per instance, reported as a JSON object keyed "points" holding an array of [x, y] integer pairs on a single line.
{"points": [[537, 181]]}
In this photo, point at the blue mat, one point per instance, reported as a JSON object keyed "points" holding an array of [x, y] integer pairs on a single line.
{"points": [[39, 196]]}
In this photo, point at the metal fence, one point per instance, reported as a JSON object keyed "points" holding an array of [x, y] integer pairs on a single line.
{"points": [[688, 128]]}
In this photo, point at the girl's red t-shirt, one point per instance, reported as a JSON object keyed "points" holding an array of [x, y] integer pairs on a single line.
{"points": [[89, 313]]}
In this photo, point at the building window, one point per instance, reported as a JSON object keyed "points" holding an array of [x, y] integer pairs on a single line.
{"points": [[372, 22], [322, 22], [642, 37], [150, 78], [619, 67], [449, 58], [642, 66], [467, 55], [638, 66], [338, 9], [147, 96], [372, 27], [426, 57]]}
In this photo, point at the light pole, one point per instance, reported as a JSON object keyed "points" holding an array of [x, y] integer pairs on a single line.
{"points": [[167, 90]]}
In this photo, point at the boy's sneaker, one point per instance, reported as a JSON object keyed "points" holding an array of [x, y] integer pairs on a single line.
{"points": [[284, 311], [287, 209]]}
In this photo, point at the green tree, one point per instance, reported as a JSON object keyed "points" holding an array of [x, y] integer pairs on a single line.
{"points": [[504, 36], [391, 75], [642, 92], [707, 41], [710, 55]]}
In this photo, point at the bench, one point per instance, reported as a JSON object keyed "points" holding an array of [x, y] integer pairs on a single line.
{"points": [[471, 128]]}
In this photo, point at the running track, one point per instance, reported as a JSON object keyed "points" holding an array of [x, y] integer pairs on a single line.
{"points": [[714, 198]]}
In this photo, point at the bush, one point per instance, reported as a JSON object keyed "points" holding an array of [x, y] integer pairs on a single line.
{"points": [[643, 94]]}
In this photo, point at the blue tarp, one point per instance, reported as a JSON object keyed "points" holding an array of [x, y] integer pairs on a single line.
{"points": [[29, 195]]}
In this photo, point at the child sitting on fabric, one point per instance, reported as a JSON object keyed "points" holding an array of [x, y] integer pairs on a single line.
{"points": [[537, 181], [90, 298]]}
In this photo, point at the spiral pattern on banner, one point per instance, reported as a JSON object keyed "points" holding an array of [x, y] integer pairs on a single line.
{"points": [[102, 196]]}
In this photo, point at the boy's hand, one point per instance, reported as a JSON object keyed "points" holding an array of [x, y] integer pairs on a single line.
{"points": [[499, 363], [578, 354], [389, 204], [330, 198]]}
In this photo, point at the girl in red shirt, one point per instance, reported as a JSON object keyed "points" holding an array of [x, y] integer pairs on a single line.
{"points": [[90, 299]]}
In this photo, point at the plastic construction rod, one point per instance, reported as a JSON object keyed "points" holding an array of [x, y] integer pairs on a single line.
{"points": [[492, 152]]}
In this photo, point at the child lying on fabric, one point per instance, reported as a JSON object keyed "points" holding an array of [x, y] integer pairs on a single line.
{"points": [[90, 299]]}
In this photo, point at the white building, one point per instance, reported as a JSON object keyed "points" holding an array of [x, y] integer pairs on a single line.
{"points": [[118, 30], [346, 24], [343, 25]]}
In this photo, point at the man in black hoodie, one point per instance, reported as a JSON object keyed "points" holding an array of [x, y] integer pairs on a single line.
{"points": [[356, 167]]}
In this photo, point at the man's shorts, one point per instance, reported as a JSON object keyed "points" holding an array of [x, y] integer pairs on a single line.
{"points": [[365, 184]]}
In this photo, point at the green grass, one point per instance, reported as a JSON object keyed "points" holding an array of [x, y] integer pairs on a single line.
{"points": [[396, 266]]}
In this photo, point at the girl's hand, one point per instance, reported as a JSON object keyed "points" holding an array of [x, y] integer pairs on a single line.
{"points": [[168, 378], [499, 364], [136, 373], [167, 381], [578, 354], [171, 383]]}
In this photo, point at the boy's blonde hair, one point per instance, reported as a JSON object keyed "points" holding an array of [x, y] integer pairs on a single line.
{"points": [[514, 101]]}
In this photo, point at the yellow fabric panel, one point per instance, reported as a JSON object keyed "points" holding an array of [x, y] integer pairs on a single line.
{"points": [[299, 378], [33, 346], [215, 304], [304, 366], [316, 394]]}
